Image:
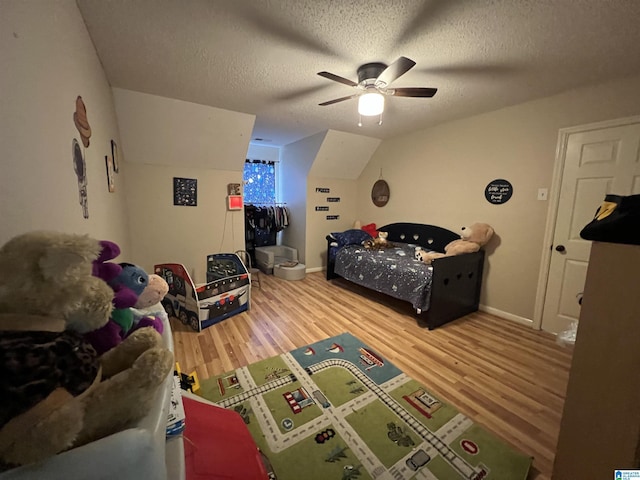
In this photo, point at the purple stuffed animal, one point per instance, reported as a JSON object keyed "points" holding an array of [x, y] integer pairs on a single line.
{"points": [[128, 282], [123, 297]]}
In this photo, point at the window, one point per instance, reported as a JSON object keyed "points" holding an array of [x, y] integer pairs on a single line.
{"points": [[259, 182]]}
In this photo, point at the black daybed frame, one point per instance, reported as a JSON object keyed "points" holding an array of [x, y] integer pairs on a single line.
{"points": [[456, 281]]}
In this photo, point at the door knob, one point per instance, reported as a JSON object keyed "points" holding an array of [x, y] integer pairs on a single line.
{"points": [[560, 248]]}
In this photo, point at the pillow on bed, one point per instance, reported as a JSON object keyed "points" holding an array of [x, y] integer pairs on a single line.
{"points": [[351, 237], [370, 229]]}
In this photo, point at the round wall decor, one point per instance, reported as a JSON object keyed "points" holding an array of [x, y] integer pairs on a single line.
{"points": [[380, 193], [498, 191]]}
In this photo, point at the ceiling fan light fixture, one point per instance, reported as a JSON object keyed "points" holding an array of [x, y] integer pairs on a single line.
{"points": [[370, 104]]}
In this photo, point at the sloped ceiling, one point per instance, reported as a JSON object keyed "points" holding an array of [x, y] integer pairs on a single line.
{"points": [[163, 131], [343, 155], [261, 57]]}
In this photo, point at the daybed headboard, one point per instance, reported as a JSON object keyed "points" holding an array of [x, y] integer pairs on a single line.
{"points": [[427, 236]]}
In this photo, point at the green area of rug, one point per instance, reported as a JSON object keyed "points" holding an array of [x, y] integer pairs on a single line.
{"points": [[337, 409]]}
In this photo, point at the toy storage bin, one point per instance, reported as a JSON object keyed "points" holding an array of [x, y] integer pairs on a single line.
{"points": [[269, 256], [132, 454]]}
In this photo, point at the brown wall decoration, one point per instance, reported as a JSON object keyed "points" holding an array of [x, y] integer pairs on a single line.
{"points": [[380, 193]]}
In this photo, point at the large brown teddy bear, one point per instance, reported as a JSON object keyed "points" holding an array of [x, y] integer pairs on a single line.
{"points": [[472, 238], [57, 393]]}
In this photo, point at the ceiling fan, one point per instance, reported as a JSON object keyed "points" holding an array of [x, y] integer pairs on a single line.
{"points": [[373, 84]]}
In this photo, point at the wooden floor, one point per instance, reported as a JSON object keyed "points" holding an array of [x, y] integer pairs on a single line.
{"points": [[503, 375]]}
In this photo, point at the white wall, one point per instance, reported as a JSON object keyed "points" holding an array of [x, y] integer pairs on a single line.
{"points": [[164, 233], [163, 131], [165, 138], [438, 176], [48, 60], [318, 227], [296, 161], [343, 155], [263, 152], [331, 160]]}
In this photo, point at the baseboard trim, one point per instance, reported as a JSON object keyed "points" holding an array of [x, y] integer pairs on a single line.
{"points": [[493, 311], [506, 315]]}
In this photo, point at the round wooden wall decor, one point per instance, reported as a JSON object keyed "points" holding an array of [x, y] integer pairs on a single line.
{"points": [[380, 193]]}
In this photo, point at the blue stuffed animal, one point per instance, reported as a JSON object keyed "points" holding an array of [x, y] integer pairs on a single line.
{"points": [[128, 284], [131, 278]]}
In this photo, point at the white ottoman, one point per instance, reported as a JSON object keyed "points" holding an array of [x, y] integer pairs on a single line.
{"points": [[296, 272]]}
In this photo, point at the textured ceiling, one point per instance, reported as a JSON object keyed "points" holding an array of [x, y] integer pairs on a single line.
{"points": [[262, 56]]}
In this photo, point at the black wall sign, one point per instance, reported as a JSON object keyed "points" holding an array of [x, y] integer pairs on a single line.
{"points": [[322, 209], [333, 199], [322, 190], [333, 217], [498, 191]]}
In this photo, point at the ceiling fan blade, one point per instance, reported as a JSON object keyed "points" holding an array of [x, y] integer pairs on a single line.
{"points": [[414, 92], [341, 99], [337, 78], [393, 71]]}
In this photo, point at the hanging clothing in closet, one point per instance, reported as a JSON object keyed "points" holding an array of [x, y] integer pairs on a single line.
{"points": [[262, 223]]}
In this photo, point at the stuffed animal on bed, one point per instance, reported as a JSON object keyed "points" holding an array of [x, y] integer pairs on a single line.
{"points": [[378, 243], [472, 238], [57, 392]]}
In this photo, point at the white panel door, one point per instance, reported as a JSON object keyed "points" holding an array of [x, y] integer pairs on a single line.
{"points": [[596, 163]]}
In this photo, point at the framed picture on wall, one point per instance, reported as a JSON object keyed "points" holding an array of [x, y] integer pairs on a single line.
{"points": [[185, 192], [233, 189], [114, 156], [111, 186]]}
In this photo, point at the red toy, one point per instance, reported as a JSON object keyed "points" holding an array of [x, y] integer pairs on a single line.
{"points": [[220, 446]]}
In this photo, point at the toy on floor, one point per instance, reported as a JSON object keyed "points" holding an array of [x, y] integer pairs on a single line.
{"points": [[472, 239], [187, 382], [226, 293], [57, 392]]}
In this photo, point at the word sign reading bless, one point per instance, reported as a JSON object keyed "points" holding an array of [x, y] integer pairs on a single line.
{"points": [[498, 191]]}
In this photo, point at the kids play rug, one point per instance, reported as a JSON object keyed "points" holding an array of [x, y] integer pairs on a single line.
{"points": [[337, 409]]}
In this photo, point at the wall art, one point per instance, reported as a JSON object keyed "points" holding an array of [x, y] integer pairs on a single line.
{"points": [[185, 192], [81, 122], [233, 189], [380, 193], [108, 161], [115, 157], [80, 167], [498, 191]]}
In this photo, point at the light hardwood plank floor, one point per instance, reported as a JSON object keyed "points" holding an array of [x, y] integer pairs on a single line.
{"points": [[503, 375]]}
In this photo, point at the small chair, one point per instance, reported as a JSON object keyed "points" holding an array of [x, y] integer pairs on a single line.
{"points": [[270, 256], [254, 273]]}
